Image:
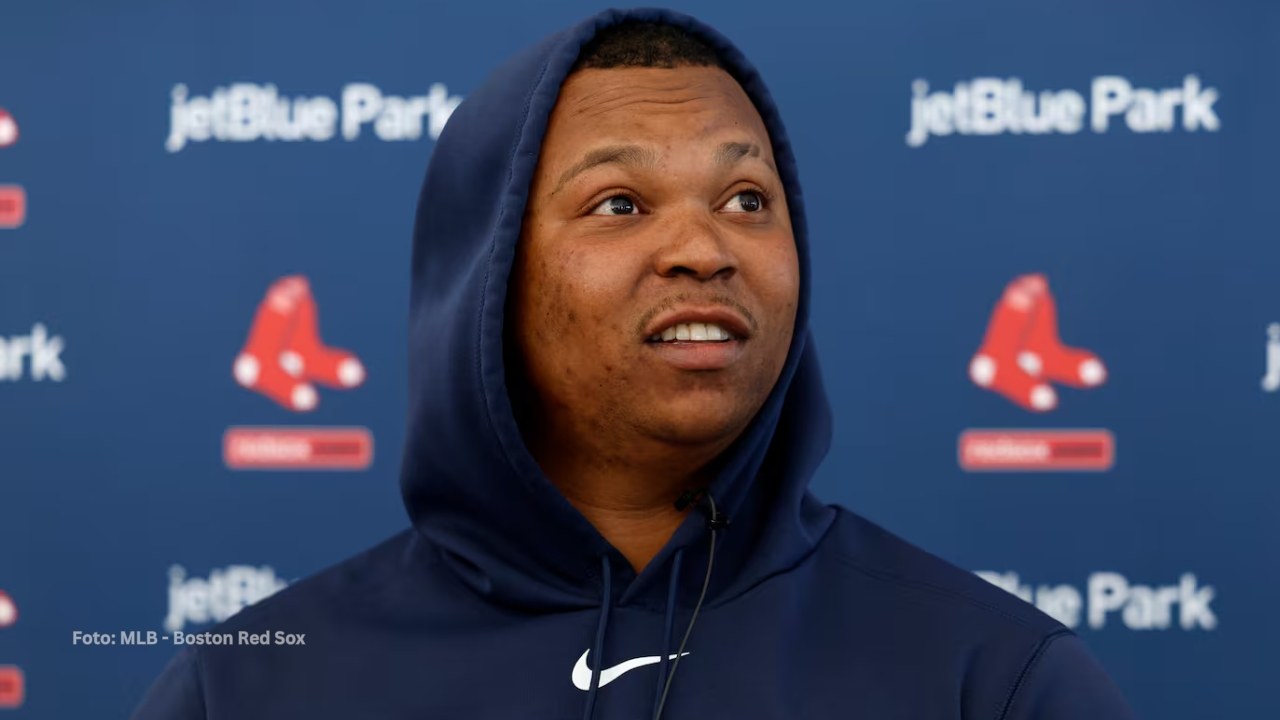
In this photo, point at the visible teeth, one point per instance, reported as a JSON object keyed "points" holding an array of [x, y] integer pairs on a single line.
{"points": [[693, 332]]}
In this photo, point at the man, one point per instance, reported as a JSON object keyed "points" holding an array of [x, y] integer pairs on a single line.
{"points": [[615, 411]]}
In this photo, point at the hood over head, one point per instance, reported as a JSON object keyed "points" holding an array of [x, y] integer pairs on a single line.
{"points": [[469, 483]]}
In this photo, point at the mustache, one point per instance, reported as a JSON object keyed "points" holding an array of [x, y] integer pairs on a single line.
{"points": [[674, 300]]}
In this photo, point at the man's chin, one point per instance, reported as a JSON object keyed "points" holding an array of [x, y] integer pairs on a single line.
{"points": [[700, 428]]}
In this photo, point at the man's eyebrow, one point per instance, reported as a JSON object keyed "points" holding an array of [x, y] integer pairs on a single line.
{"points": [[726, 154], [621, 154], [731, 152]]}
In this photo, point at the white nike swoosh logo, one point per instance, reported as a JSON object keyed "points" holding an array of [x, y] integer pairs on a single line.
{"points": [[582, 673]]}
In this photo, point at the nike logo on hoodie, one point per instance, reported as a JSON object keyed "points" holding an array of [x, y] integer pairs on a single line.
{"points": [[582, 673]]}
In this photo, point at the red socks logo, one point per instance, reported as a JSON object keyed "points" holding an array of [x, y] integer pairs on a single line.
{"points": [[13, 199], [8, 610], [284, 353], [1022, 352], [12, 683], [8, 129]]}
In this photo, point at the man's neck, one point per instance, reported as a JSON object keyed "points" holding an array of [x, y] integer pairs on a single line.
{"points": [[639, 532], [631, 504]]}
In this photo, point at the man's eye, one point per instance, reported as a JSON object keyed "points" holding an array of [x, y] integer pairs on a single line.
{"points": [[748, 201], [616, 205]]}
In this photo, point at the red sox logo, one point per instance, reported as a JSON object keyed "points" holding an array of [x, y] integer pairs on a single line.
{"points": [[11, 680], [8, 129], [8, 610], [1019, 358], [284, 355], [1022, 353], [284, 359]]}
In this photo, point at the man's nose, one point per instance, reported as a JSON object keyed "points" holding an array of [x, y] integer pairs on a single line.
{"points": [[694, 246]]}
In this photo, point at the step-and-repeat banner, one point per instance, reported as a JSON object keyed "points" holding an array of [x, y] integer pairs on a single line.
{"points": [[1047, 278]]}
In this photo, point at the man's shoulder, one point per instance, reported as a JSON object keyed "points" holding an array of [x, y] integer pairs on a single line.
{"points": [[921, 614], [347, 589], [898, 568]]}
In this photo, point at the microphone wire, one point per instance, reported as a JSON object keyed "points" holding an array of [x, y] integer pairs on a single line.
{"points": [[715, 523]]}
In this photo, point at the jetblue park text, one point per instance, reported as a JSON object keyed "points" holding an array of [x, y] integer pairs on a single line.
{"points": [[995, 106], [245, 112]]}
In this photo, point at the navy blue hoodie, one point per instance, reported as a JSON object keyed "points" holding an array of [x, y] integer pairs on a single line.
{"points": [[502, 601]]}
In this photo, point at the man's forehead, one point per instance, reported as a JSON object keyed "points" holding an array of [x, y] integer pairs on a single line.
{"points": [[615, 93], [632, 115]]}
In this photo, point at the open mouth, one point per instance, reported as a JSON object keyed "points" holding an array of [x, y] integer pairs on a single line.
{"points": [[693, 332]]}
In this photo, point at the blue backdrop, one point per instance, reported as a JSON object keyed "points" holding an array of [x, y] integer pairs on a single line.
{"points": [[162, 164]]}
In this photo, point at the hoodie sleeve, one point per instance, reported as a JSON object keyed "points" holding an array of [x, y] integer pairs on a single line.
{"points": [[1063, 681], [177, 694]]}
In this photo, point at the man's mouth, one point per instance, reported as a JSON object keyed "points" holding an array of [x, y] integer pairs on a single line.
{"points": [[693, 332], [712, 339], [699, 338]]}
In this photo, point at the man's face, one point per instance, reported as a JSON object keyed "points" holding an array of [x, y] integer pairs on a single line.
{"points": [[656, 281]]}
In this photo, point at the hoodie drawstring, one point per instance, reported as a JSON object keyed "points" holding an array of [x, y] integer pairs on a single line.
{"points": [[597, 651], [672, 586], [716, 521]]}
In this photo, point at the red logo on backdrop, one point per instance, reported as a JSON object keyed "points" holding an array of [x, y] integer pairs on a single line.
{"points": [[1022, 353], [8, 610], [8, 129], [1021, 358], [13, 206], [284, 354], [284, 359], [1031, 450], [264, 448], [12, 686]]}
